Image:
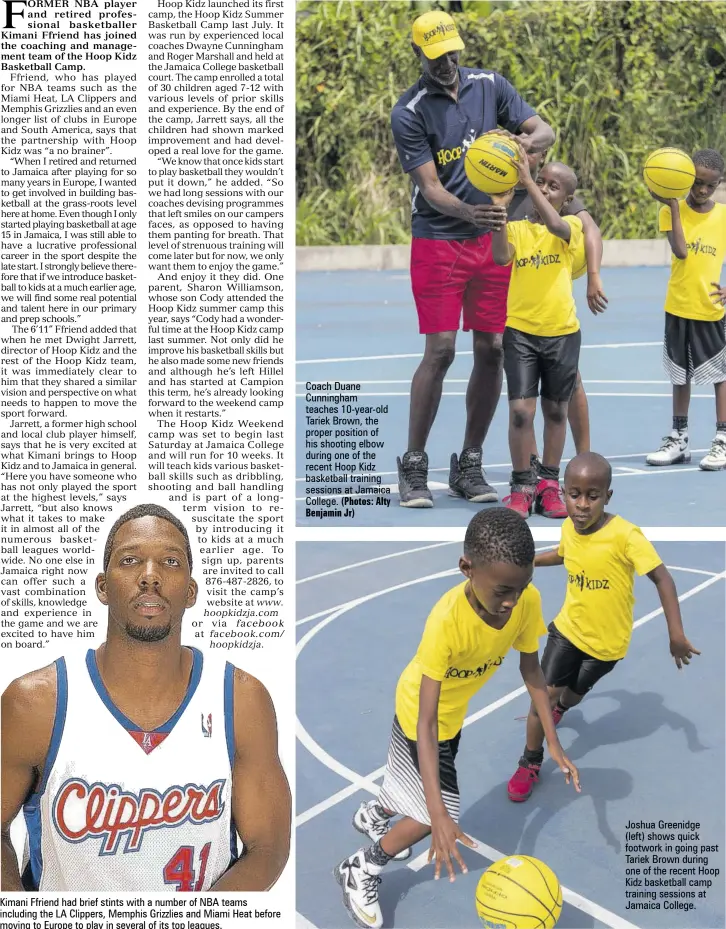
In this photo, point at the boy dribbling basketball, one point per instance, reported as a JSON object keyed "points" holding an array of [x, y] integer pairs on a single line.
{"points": [[466, 638], [601, 553]]}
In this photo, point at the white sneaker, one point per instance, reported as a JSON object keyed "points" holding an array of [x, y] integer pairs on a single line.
{"points": [[359, 880], [674, 450], [369, 821], [716, 458]]}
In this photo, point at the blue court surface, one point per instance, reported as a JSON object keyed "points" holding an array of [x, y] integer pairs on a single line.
{"points": [[648, 741], [361, 327]]}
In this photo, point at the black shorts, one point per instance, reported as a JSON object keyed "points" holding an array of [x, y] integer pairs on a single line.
{"points": [[531, 360], [694, 350], [565, 665], [402, 789]]}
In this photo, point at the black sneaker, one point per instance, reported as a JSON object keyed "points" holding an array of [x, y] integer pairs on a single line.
{"points": [[467, 479], [413, 488]]}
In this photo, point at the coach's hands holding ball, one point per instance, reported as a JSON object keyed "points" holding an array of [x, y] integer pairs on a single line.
{"points": [[445, 833]]}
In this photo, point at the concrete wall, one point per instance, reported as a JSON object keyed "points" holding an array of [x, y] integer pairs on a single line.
{"points": [[617, 253]]}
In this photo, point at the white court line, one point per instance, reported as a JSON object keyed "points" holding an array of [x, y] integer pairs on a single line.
{"points": [[508, 464], [438, 485], [319, 361], [570, 896], [453, 571], [302, 923], [367, 782], [359, 564]]}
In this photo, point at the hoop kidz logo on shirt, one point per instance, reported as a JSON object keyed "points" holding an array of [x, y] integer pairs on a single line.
{"points": [[583, 582], [538, 260], [474, 672]]}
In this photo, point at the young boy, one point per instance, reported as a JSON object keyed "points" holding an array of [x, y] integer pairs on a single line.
{"points": [[542, 336], [466, 637], [694, 346], [601, 552], [586, 260]]}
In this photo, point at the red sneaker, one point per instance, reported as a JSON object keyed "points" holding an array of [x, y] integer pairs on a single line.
{"points": [[557, 714], [548, 500], [522, 783], [520, 500]]}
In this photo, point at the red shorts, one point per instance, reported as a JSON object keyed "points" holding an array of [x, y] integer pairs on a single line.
{"points": [[448, 275]]}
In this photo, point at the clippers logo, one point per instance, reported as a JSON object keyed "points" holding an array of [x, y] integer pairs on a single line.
{"points": [[539, 261], [441, 30], [147, 743], [82, 811], [207, 730], [583, 582], [473, 672], [700, 248]]}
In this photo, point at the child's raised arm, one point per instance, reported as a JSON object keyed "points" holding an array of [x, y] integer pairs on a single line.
{"points": [[550, 217], [502, 249], [676, 236]]}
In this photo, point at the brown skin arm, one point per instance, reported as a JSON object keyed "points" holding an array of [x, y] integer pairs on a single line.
{"points": [[484, 216], [596, 299], [549, 559], [28, 713], [681, 649], [444, 831], [533, 678], [549, 215], [535, 135], [261, 802], [502, 249], [676, 236]]}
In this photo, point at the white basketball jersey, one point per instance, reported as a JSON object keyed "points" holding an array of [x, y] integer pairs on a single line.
{"points": [[123, 809]]}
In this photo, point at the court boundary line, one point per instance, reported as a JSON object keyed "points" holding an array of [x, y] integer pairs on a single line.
{"points": [[359, 564], [317, 361], [363, 781], [331, 609]]}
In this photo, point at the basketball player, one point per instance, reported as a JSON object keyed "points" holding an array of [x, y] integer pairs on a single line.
{"points": [[452, 269], [139, 764]]}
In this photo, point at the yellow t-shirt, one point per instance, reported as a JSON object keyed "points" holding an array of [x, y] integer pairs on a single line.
{"points": [[459, 649], [692, 278], [597, 615], [540, 300]]}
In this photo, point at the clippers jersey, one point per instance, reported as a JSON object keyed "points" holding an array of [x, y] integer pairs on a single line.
{"points": [[121, 809]]}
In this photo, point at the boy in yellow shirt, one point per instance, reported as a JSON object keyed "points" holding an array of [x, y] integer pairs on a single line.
{"points": [[601, 552], [694, 346], [466, 638], [542, 337]]}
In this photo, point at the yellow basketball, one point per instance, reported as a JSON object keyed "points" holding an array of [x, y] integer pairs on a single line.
{"points": [[669, 172], [518, 892], [490, 164]]}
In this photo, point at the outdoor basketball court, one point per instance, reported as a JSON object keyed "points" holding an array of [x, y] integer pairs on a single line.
{"points": [[649, 740], [361, 327]]}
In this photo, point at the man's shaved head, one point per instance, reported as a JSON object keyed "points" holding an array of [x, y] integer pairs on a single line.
{"points": [[590, 465]]}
